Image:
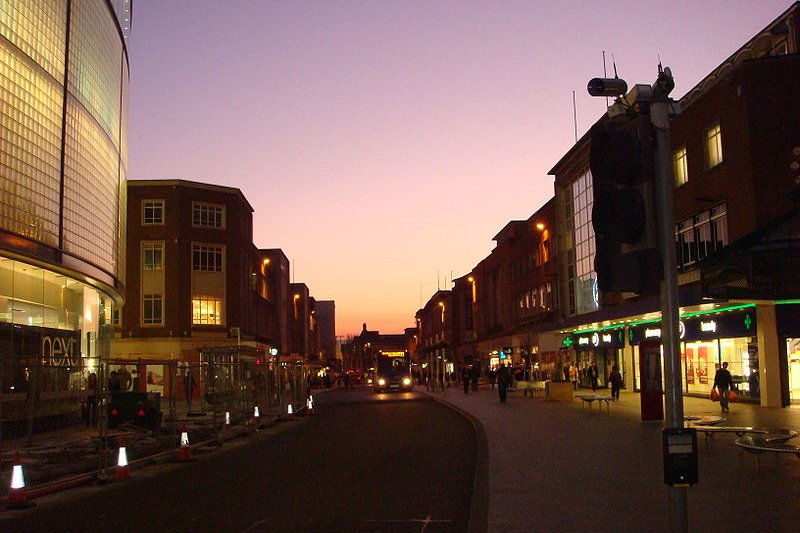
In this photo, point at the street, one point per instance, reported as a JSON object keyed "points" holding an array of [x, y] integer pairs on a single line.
{"points": [[364, 462]]}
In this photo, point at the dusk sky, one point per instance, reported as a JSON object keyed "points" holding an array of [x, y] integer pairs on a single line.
{"points": [[383, 143]]}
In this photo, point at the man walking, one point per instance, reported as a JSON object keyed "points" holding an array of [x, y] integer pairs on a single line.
{"points": [[723, 382]]}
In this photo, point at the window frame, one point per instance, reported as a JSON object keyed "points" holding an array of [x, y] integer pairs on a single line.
{"points": [[153, 204], [713, 139], [197, 307], [150, 319], [680, 166], [208, 215], [152, 246], [208, 249]]}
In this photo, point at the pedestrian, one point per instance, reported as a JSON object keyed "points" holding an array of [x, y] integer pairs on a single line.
{"points": [[615, 378], [593, 375], [465, 379], [723, 382], [188, 388], [113, 382], [492, 378], [503, 381], [91, 400], [567, 366], [474, 375], [124, 379], [573, 376]]}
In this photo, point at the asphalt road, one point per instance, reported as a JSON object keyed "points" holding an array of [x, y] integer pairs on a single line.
{"points": [[364, 463]]}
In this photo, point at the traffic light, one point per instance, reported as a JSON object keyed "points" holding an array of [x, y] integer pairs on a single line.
{"points": [[621, 161]]}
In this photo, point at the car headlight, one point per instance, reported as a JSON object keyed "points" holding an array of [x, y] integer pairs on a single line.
{"points": [[406, 381], [381, 382]]}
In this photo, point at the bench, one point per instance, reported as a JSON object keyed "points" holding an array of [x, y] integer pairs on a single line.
{"points": [[769, 435], [589, 398], [534, 387], [759, 444]]}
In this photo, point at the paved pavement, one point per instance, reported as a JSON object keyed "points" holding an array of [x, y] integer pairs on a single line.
{"points": [[563, 467]]}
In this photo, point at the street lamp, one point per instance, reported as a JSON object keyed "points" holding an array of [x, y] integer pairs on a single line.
{"points": [[472, 281], [441, 304], [296, 298]]}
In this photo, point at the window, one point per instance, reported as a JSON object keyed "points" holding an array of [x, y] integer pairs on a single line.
{"points": [[713, 146], [701, 236], [153, 255], [208, 215], [152, 212], [680, 168], [207, 258], [152, 309], [206, 310]]}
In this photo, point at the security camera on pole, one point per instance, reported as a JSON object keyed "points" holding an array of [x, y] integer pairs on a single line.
{"points": [[630, 159]]}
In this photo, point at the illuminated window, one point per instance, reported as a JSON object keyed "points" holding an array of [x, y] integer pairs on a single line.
{"points": [[208, 215], [152, 309], [153, 255], [680, 168], [152, 212], [713, 146], [207, 310], [207, 258]]}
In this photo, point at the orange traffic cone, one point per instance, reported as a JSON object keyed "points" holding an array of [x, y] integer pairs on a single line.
{"points": [[289, 413], [123, 470], [184, 451], [17, 497]]}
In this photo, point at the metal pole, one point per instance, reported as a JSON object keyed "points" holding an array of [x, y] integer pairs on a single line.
{"points": [[670, 337]]}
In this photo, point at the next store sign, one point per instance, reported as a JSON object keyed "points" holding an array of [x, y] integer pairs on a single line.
{"points": [[609, 338]]}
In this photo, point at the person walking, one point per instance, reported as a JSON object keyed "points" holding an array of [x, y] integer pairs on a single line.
{"points": [[188, 388], [593, 374], [723, 382], [503, 381], [465, 379], [615, 378]]}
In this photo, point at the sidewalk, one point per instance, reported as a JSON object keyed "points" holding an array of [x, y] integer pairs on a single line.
{"points": [[562, 467]]}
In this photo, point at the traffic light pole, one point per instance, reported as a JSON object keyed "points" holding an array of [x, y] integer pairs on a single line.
{"points": [[670, 336]]}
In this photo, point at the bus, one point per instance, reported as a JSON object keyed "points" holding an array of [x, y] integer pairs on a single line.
{"points": [[392, 371]]}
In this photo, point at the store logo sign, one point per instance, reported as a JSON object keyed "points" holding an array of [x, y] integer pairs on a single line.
{"points": [[654, 333], [59, 351], [709, 326]]}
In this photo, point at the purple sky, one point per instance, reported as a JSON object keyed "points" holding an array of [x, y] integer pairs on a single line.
{"points": [[381, 143]]}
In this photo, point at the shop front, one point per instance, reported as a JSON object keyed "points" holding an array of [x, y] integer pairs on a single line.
{"points": [[788, 324], [605, 347], [53, 331], [708, 338]]}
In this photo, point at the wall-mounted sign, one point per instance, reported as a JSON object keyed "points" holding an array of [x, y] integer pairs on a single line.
{"points": [[607, 338], [726, 325]]}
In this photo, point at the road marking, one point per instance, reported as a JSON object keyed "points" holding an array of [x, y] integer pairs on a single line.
{"points": [[424, 521]]}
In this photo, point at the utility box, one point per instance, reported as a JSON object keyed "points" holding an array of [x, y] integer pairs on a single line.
{"points": [[680, 456]]}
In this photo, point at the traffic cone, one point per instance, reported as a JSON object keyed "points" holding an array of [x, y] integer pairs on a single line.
{"points": [[310, 405], [123, 470], [184, 451], [17, 497], [289, 413], [227, 418]]}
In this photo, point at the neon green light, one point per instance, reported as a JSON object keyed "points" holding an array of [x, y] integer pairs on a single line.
{"points": [[700, 313]]}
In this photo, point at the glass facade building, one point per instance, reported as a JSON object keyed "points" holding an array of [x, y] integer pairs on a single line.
{"points": [[63, 148]]}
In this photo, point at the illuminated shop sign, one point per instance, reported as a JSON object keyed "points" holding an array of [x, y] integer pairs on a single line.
{"points": [[725, 325], [53, 347], [394, 354], [610, 338]]}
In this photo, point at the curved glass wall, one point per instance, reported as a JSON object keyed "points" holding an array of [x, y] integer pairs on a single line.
{"points": [[63, 98], [63, 115]]}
